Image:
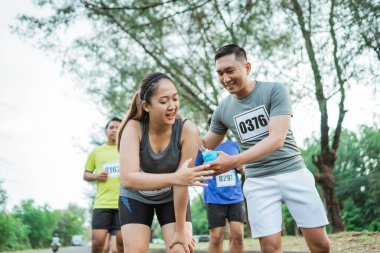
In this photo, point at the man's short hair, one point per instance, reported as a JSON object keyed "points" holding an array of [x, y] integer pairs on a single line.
{"points": [[112, 119], [238, 51]]}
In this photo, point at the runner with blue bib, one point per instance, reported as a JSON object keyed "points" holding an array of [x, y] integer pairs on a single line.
{"points": [[224, 200]]}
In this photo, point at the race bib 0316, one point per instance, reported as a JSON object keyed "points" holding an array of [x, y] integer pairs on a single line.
{"points": [[252, 124]]}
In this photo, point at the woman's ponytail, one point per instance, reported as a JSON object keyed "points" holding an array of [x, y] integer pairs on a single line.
{"points": [[135, 112]]}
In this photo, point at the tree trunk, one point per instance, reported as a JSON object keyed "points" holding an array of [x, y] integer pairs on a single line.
{"points": [[325, 160], [283, 228], [248, 226], [332, 203], [326, 179]]}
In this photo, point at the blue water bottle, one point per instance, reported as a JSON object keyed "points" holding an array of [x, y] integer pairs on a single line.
{"points": [[208, 155]]}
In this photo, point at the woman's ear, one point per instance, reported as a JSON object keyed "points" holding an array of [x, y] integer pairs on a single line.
{"points": [[145, 106]]}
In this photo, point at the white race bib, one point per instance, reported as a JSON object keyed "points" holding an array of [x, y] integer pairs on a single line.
{"points": [[226, 179], [112, 169], [252, 124]]}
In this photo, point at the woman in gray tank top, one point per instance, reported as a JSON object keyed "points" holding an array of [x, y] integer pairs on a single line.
{"points": [[157, 149]]}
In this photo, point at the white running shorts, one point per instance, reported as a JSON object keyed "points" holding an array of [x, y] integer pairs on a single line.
{"points": [[264, 196]]}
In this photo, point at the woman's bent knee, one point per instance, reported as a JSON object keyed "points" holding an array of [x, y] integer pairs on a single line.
{"points": [[177, 248]]}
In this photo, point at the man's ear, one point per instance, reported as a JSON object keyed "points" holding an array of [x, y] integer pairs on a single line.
{"points": [[248, 68]]}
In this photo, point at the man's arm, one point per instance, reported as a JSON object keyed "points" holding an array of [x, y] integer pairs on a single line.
{"points": [[278, 130], [89, 176], [211, 140], [90, 167]]}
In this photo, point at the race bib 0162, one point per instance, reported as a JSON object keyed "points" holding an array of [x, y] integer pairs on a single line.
{"points": [[112, 169], [252, 124]]}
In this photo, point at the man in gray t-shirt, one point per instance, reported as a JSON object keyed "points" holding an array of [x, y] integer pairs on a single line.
{"points": [[258, 114]]}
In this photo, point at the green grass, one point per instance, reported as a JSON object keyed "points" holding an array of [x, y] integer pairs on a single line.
{"points": [[353, 242]]}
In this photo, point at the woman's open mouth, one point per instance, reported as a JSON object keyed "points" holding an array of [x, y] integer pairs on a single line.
{"points": [[170, 116]]}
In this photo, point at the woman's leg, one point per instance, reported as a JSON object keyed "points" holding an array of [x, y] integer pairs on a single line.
{"points": [[168, 233], [135, 220]]}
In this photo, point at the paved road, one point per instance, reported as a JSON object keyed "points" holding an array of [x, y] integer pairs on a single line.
{"points": [[84, 249]]}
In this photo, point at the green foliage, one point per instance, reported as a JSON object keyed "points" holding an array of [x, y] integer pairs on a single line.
{"points": [[358, 177], [41, 222], [199, 216], [287, 219], [156, 229], [13, 233], [31, 226], [3, 196], [127, 41], [352, 216], [70, 223], [121, 42], [357, 173]]}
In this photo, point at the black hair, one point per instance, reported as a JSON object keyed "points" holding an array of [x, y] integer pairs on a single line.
{"points": [[148, 87], [238, 51], [112, 119]]}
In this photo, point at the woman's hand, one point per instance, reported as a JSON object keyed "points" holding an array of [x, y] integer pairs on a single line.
{"points": [[186, 176], [184, 238]]}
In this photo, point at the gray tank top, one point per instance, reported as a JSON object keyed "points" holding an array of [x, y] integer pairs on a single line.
{"points": [[166, 161]]}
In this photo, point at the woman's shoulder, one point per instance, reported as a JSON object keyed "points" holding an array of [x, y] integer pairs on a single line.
{"points": [[133, 126], [133, 123], [189, 127]]}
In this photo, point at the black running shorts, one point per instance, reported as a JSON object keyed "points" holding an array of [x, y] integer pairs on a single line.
{"points": [[105, 218], [134, 211], [217, 214]]}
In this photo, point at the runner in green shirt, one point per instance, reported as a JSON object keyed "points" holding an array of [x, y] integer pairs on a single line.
{"points": [[102, 166]]}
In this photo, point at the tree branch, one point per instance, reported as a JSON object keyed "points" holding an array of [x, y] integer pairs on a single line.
{"points": [[224, 22], [89, 5], [319, 94], [190, 95], [191, 8], [341, 81]]}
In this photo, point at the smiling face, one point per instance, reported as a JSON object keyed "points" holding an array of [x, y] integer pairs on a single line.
{"points": [[233, 75], [164, 104]]}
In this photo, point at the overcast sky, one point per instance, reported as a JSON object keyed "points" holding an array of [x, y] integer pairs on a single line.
{"points": [[44, 117], [43, 120]]}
